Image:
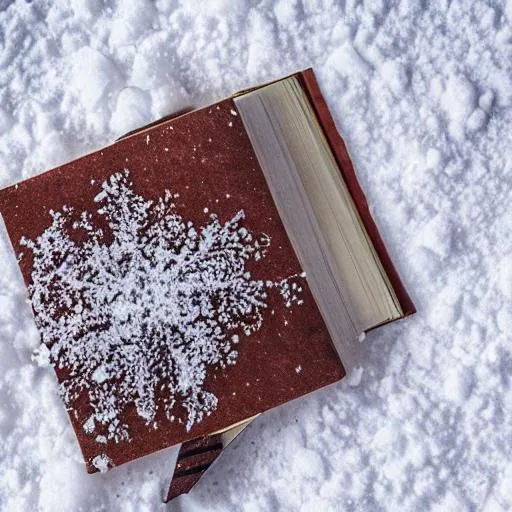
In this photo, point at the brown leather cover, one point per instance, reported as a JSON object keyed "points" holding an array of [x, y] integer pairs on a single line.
{"points": [[207, 158], [337, 145]]}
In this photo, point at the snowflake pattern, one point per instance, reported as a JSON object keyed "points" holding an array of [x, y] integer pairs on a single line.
{"points": [[138, 315]]}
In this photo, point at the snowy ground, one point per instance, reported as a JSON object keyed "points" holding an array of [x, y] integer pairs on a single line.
{"points": [[422, 92]]}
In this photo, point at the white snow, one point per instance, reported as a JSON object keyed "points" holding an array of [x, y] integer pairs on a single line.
{"points": [[422, 93]]}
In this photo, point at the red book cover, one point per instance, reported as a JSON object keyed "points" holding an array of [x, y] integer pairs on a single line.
{"points": [[168, 296]]}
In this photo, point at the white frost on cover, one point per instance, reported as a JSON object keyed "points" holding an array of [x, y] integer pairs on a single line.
{"points": [[143, 319], [102, 463], [422, 92], [88, 426]]}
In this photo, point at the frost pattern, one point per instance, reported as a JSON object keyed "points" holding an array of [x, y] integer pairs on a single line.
{"points": [[102, 463], [139, 314]]}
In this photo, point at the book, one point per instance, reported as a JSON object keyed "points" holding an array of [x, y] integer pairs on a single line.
{"points": [[201, 271]]}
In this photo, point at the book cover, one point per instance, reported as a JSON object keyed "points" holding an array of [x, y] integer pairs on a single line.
{"points": [[168, 296]]}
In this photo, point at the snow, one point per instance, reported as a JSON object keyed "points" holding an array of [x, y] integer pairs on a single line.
{"points": [[101, 462], [422, 94]]}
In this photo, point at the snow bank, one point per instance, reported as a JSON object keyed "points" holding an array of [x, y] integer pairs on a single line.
{"points": [[422, 93]]}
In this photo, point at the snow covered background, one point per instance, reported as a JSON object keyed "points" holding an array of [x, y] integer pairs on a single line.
{"points": [[422, 92]]}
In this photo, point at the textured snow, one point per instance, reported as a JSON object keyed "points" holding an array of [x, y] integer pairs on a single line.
{"points": [[422, 92]]}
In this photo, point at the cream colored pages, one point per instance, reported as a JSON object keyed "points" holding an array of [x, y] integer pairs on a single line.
{"points": [[344, 273]]}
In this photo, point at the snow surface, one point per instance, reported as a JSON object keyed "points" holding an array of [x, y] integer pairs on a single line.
{"points": [[422, 92]]}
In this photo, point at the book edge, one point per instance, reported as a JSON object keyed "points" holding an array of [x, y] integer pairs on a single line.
{"points": [[309, 83]]}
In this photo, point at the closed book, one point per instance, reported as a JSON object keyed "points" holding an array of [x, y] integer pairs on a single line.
{"points": [[201, 271]]}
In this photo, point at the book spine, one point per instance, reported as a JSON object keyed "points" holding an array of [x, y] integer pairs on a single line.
{"points": [[340, 153]]}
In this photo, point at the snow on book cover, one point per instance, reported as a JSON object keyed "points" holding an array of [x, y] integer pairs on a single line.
{"points": [[168, 297]]}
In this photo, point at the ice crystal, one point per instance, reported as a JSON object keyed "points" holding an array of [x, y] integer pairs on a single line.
{"points": [[138, 315], [102, 463]]}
